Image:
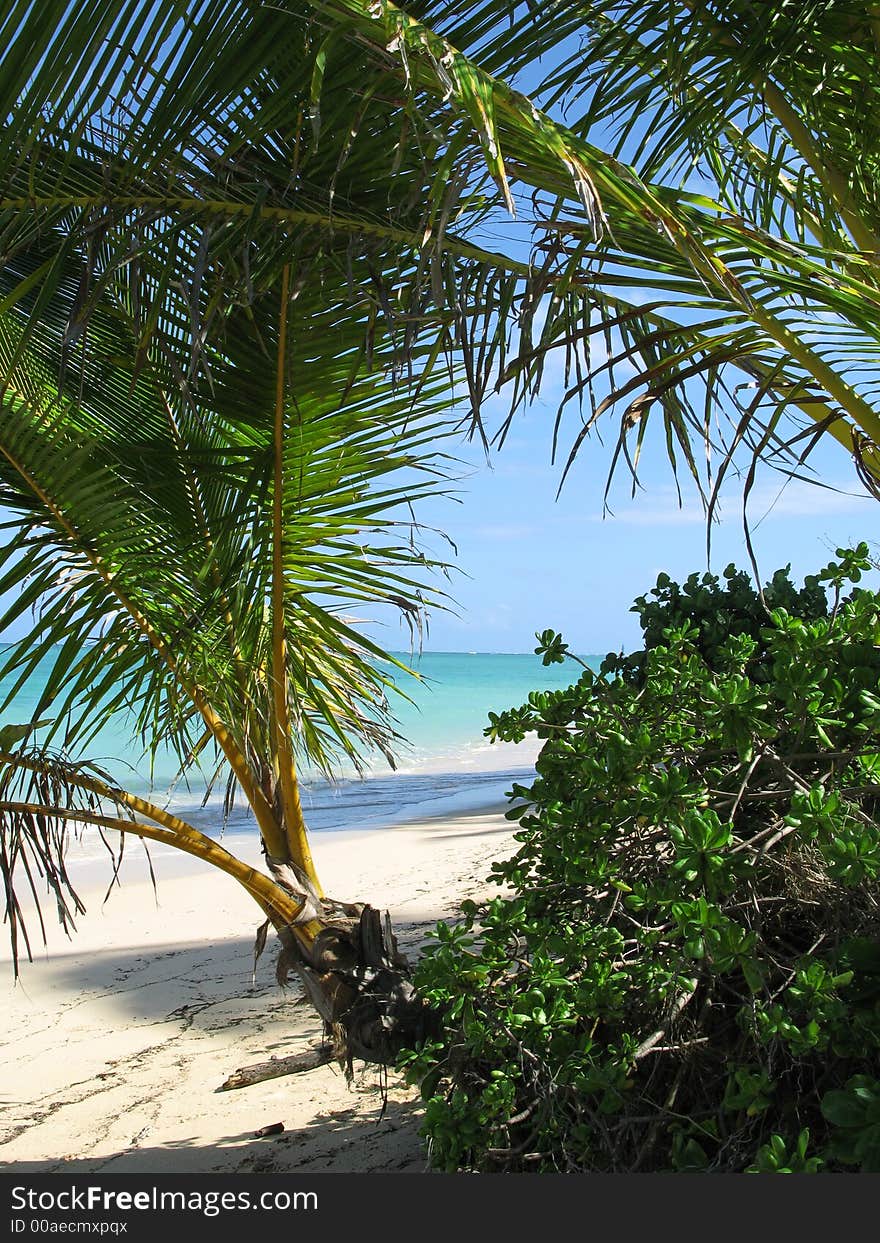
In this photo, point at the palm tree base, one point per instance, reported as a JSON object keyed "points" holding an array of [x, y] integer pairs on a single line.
{"points": [[359, 982]]}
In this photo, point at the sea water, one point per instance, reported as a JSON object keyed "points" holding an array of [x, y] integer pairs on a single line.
{"points": [[444, 763]]}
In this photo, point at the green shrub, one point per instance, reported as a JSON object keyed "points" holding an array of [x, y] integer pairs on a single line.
{"points": [[682, 971]]}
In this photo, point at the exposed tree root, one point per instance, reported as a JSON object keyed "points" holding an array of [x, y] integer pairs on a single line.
{"points": [[353, 972], [359, 982]]}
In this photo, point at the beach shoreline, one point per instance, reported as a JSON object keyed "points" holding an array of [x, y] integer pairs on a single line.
{"points": [[115, 1042]]}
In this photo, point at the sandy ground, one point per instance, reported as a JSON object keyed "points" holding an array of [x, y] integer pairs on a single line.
{"points": [[113, 1045]]}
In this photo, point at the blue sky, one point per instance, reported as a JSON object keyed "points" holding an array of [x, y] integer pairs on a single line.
{"points": [[527, 561]]}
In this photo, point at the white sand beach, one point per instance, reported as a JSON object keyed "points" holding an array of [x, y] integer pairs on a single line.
{"points": [[114, 1043]]}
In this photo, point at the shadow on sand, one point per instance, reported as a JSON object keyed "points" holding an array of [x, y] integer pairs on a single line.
{"points": [[335, 1141]]}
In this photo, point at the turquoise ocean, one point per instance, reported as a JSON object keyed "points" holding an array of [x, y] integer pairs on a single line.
{"points": [[446, 765]]}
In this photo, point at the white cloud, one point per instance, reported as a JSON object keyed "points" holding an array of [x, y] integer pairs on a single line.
{"points": [[799, 499], [771, 499]]}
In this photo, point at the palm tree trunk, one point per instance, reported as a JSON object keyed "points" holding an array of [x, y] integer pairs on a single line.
{"points": [[344, 953]]}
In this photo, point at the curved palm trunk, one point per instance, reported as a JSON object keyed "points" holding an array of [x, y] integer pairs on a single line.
{"points": [[344, 953]]}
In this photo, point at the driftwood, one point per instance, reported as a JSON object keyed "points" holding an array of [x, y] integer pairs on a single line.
{"points": [[276, 1067]]}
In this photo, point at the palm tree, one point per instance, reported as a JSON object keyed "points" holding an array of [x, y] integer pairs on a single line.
{"points": [[195, 559], [217, 426], [245, 280]]}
